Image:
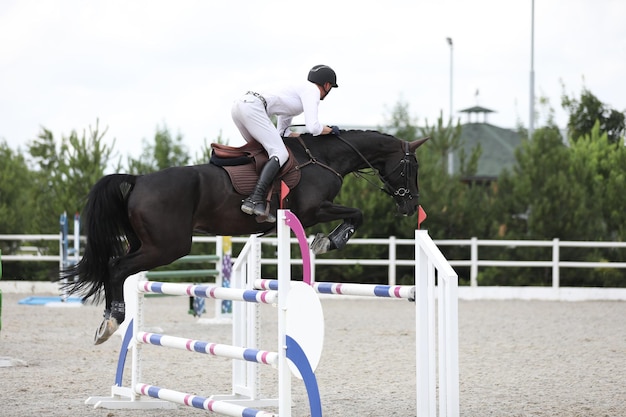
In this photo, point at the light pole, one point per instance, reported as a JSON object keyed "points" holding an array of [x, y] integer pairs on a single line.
{"points": [[531, 117], [450, 156]]}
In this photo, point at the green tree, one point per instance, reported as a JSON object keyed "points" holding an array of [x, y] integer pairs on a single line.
{"points": [[65, 172], [445, 138], [537, 191], [455, 208], [556, 191], [586, 111], [58, 179], [561, 191], [17, 213], [166, 152], [16, 193], [597, 163]]}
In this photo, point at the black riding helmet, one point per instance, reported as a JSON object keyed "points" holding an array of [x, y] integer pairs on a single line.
{"points": [[321, 74]]}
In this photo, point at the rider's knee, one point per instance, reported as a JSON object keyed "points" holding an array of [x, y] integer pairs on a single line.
{"points": [[281, 154]]}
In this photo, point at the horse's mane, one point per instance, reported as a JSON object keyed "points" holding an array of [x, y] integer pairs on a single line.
{"points": [[349, 132]]}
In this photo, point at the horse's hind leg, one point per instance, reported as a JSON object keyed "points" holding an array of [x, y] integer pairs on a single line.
{"points": [[115, 310], [147, 257], [114, 314]]}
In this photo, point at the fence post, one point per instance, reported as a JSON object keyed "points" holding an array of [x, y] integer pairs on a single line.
{"points": [[555, 263], [474, 262], [392, 260]]}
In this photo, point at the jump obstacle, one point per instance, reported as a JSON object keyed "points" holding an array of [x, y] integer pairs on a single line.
{"points": [[302, 353], [68, 256], [436, 301]]}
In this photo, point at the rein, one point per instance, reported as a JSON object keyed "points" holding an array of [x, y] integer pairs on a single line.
{"points": [[386, 185], [386, 188], [313, 160]]}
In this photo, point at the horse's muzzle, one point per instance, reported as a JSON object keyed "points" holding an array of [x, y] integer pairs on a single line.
{"points": [[407, 208]]}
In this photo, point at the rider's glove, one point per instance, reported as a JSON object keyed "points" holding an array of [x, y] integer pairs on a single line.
{"points": [[334, 130]]}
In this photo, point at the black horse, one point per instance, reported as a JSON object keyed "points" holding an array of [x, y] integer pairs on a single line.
{"points": [[137, 223]]}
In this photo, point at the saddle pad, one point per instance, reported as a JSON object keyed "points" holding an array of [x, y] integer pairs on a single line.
{"points": [[245, 176]]}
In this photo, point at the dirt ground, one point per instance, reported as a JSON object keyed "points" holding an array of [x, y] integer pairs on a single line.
{"points": [[517, 358]]}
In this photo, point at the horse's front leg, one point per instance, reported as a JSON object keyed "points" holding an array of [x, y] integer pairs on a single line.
{"points": [[338, 238]]}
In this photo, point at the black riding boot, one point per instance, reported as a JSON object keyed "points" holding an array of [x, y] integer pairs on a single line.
{"points": [[255, 204]]}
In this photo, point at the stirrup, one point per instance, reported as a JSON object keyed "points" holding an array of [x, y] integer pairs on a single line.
{"points": [[258, 209], [247, 206]]}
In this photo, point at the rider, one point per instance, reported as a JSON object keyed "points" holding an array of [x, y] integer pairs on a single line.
{"points": [[252, 112]]}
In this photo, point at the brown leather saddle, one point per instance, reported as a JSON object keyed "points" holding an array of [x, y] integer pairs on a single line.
{"points": [[243, 165]]}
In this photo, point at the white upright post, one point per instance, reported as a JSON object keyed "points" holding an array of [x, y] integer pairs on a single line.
{"points": [[284, 284], [451, 343], [425, 333], [137, 308], [392, 261], [244, 331], [429, 260]]}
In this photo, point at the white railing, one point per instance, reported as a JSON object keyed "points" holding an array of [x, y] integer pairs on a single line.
{"points": [[555, 262], [392, 262]]}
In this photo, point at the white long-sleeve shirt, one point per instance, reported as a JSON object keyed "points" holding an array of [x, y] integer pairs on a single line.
{"points": [[291, 101]]}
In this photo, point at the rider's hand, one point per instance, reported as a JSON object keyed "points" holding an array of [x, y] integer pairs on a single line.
{"points": [[334, 130]]}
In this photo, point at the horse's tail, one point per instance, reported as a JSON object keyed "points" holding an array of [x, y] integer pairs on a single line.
{"points": [[108, 229]]}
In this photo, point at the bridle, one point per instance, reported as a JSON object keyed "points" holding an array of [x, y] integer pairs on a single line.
{"points": [[402, 169]]}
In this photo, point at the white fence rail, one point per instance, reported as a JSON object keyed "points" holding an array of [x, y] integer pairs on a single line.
{"points": [[392, 262]]}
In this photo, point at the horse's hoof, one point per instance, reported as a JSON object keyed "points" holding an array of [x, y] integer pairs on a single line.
{"points": [[105, 330], [320, 244], [263, 218]]}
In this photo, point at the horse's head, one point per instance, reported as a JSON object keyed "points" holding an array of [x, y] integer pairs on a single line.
{"points": [[400, 177]]}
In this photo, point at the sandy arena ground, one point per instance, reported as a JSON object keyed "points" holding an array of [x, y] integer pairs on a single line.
{"points": [[517, 358]]}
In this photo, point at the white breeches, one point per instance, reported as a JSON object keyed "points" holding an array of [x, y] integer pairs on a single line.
{"points": [[252, 120]]}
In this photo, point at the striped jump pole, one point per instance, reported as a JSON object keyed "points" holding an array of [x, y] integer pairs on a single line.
{"points": [[364, 290], [215, 349], [203, 403], [208, 291], [196, 304]]}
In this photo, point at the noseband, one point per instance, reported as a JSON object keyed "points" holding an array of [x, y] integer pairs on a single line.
{"points": [[402, 169]]}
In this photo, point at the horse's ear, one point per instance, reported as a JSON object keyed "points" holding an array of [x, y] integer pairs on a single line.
{"points": [[417, 143]]}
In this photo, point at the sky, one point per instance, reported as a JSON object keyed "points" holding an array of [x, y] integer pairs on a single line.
{"points": [[135, 66]]}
